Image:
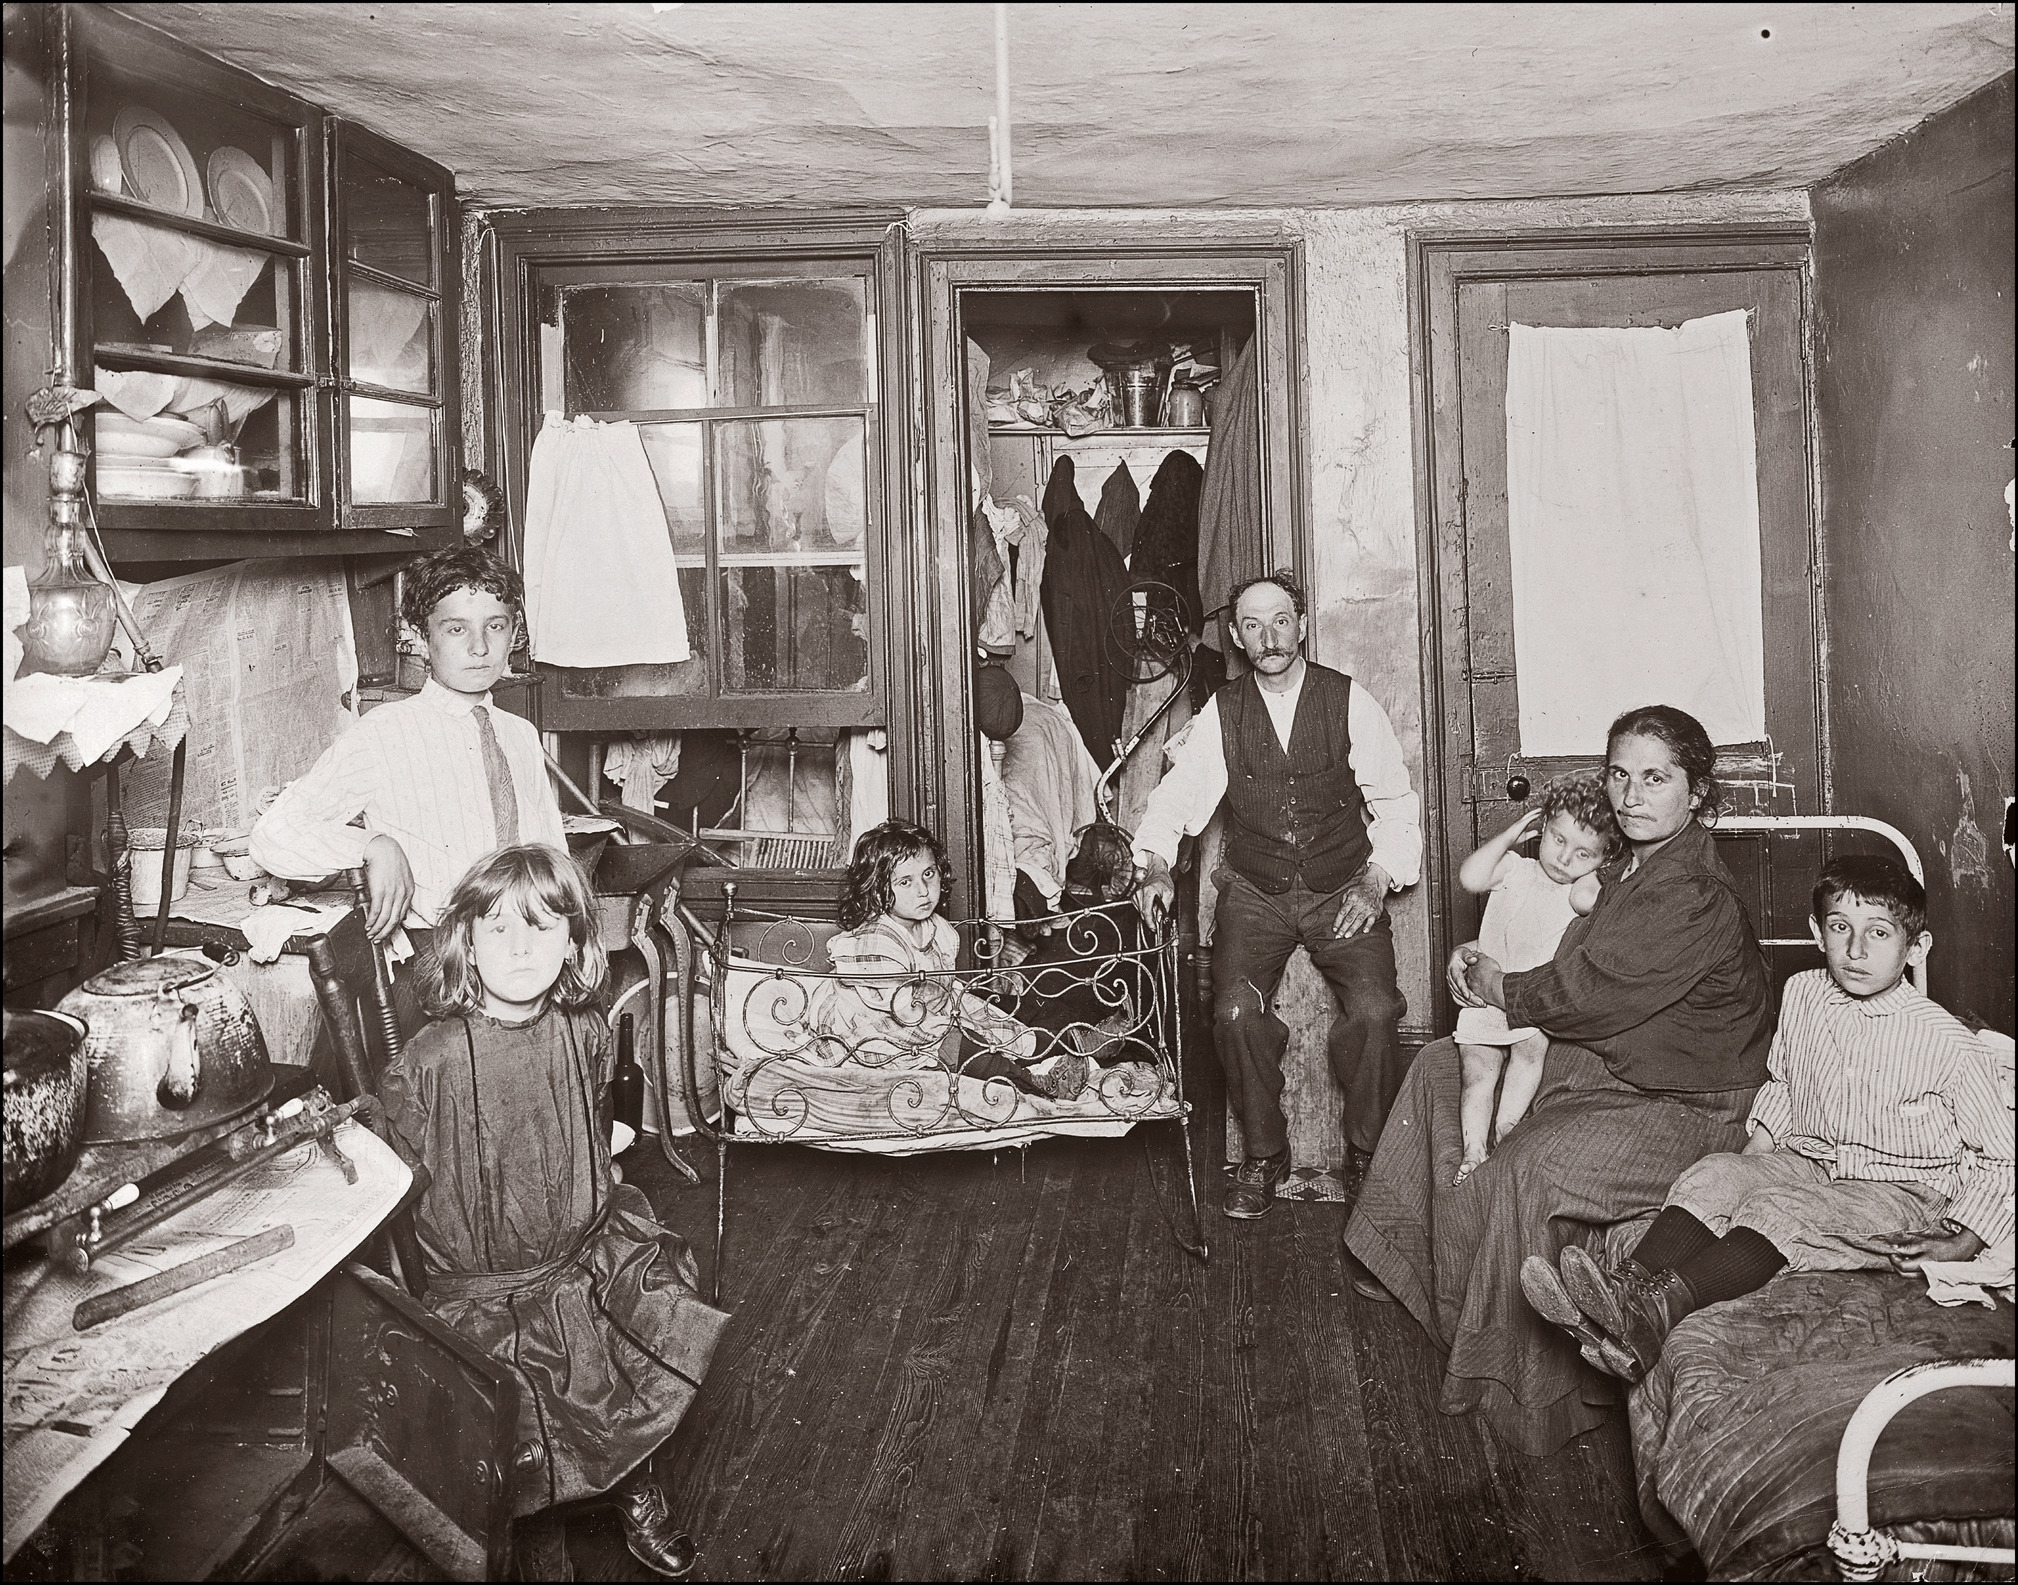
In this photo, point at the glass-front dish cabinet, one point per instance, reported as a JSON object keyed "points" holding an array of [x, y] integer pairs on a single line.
{"points": [[263, 297]]}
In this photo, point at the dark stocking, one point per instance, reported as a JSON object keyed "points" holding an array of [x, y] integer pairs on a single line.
{"points": [[1675, 1236], [1742, 1260]]}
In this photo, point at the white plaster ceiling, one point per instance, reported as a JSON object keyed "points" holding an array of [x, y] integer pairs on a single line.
{"points": [[1167, 106]]}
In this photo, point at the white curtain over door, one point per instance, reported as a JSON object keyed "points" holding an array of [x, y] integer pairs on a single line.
{"points": [[1633, 520]]}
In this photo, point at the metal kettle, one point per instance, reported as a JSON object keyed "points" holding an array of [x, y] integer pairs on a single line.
{"points": [[173, 1046]]}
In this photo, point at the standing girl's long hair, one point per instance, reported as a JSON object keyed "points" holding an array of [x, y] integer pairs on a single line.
{"points": [[866, 894], [535, 879]]}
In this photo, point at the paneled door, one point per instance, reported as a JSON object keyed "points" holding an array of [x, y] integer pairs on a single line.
{"points": [[1472, 298]]}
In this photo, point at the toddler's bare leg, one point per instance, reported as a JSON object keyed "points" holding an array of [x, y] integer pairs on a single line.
{"points": [[1523, 1078], [1478, 1067]]}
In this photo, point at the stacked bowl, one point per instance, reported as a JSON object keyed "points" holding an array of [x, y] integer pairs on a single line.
{"points": [[136, 456]]}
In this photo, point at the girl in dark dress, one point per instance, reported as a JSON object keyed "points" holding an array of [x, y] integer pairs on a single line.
{"points": [[1659, 1014], [533, 1251]]}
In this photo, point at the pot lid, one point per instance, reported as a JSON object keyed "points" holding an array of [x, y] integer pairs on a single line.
{"points": [[150, 976]]}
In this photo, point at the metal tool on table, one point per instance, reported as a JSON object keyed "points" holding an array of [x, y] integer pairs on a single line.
{"points": [[83, 1240], [103, 1307]]}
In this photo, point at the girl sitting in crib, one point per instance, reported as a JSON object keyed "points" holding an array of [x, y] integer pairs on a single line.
{"points": [[533, 1251], [890, 1005]]}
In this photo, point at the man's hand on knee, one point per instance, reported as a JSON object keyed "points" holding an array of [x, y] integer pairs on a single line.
{"points": [[1364, 901]]}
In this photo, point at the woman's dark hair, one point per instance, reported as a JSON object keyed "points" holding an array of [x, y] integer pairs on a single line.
{"points": [[1582, 797], [432, 579], [529, 877], [867, 894], [1686, 740]]}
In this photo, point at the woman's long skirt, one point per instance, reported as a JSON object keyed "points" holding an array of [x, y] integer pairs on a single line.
{"points": [[1592, 1151]]}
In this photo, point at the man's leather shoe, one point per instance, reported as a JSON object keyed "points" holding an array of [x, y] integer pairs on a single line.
{"points": [[649, 1531], [1364, 1283], [1253, 1187], [1549, 1299]]}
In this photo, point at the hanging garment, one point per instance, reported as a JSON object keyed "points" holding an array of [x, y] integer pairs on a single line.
{"points": [[1166, 543], [998, 837], [862, 782], [1030, 545], [1230, 537], [1061, 493], [1120, 508], [992, 600], [980, 457], [641, 766], [1085, 582], [601, 588], [1050, 780]]}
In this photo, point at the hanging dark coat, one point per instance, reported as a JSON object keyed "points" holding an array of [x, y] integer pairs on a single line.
{"points": [[1085, 583], [1061, 493], [1120, 508], [1166, 542]]}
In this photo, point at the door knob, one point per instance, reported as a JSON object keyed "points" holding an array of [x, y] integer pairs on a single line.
{"points": [[1517, 787]]}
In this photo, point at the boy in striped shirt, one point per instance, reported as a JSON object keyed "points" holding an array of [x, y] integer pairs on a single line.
{"points": [[1881, 1139]]}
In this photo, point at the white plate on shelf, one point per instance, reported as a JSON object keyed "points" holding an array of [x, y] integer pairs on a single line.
{"points": [[120, 436], [145, 484], [158, 165], [240, 191], [106, 175]]}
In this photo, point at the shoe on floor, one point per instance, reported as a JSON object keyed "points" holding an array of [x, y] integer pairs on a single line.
{"points": [[1253, 1187], [1364, 1283], [650, 1533]]}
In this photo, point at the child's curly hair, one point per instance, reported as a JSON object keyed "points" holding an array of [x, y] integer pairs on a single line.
{"points": [[533, 878], [1582, 797], [866, 893]]}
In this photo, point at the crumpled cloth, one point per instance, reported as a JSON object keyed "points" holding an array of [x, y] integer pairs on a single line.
{"points": [[268, 929], [1954, 1282], [641, 766], [97, 712]]}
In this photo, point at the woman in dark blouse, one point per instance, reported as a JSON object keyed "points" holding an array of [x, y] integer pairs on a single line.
{"points": [[1659, 1014]]}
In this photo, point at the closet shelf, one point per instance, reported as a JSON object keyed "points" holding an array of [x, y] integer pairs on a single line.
{"points": [[1098, 434]]}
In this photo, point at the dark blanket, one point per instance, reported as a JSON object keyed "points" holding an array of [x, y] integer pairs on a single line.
{"points": [[1735, 1430]]}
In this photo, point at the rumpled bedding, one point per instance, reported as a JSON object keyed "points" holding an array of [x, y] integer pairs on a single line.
{"points": [[1735, 1430], [778, 1093]]}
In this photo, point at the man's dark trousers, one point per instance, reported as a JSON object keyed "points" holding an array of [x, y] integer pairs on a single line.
{"points": [[1252, 939]]}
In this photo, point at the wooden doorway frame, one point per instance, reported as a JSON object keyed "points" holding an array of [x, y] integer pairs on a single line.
{"points": [[1439, 262], [1268, 262]]}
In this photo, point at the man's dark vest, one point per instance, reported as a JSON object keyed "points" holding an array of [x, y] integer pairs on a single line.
{"points": [[1298, 818]]}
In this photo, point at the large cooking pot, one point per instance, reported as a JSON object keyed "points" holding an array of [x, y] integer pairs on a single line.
{"points": [[172, 1046], [44, 1103]]}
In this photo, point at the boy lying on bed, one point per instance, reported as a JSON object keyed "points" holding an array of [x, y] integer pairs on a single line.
{"points": [[1880, 1140]]}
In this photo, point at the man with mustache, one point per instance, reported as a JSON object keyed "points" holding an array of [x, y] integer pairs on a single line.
{"points": [[1322, 823]]}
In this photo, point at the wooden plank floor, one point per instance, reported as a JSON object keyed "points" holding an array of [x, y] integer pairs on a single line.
{"points": [[984, 1367]]}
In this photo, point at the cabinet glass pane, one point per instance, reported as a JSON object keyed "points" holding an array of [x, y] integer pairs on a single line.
{"points": [[675, 453], [787, 485], [388, 223], [210, 442], [794, 629], [391, 338], [635, 348], [785, 343], [686, 680], [158, 290], [391, 452]]}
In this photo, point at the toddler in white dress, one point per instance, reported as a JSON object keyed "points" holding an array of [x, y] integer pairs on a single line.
{"points": [[1531, 902]]}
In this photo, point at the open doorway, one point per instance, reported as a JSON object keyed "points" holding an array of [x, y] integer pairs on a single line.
{"points": [[1077, 410]]}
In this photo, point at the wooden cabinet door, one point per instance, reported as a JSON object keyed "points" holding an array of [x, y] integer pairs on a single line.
{"points": [[1471, 296]]}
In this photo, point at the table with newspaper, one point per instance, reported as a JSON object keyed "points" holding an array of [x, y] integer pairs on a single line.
{"points": [[73, 1397]]}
